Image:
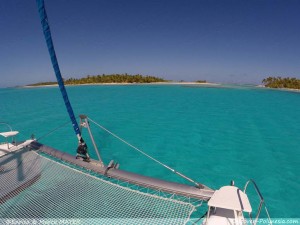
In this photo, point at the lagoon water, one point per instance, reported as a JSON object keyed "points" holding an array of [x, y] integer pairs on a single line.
{"points": [[211, 134]]}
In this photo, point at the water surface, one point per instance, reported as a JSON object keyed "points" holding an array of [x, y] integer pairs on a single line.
{"points": [[211, 134]]}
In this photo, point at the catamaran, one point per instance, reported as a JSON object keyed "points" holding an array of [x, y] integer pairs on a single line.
{"points": [[40, 183]]}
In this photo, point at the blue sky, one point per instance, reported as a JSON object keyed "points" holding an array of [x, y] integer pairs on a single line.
{"points": [[229, 41]]}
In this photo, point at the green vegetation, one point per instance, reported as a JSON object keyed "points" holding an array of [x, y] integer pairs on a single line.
{"points": [[279, 82], [112, 78], [200, 81], [42, 83]]}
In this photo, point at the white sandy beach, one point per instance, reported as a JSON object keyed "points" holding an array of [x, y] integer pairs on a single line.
{"points": [[104, 84]]}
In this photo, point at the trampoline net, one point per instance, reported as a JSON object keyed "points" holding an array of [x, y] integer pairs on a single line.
{"points": [[35, 187]]}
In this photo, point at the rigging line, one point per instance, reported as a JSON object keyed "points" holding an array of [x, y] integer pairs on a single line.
{"points": [[6, 125], [55, 129], [148, 156]]}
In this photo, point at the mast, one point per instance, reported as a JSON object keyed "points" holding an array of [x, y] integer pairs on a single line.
{"points": [[82, 150]]}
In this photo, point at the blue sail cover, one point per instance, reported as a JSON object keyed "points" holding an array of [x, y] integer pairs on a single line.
{"points": [[47, 34]]}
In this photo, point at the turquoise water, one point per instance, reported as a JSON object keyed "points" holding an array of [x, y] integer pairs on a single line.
{"points": [[211, 134]]}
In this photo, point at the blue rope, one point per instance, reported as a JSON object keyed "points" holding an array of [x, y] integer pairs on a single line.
{"points": [[48, 38]]}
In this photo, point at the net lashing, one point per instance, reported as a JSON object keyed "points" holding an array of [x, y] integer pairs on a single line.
{"points": [[33, 186]]}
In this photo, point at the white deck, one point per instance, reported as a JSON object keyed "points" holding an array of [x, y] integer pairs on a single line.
{"points": [[6, 148], [226, 207], [230, 197], [9, 134], [225, 217]]}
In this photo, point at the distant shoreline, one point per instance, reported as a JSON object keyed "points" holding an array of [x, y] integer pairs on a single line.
{"points": [[124, 84], [279, 89], [283, 89], [155, 83]]}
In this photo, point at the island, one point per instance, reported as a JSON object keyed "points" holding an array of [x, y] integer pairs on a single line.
{"points": [[118, 79], [201, 81], [279, 82], [104, 79]]}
